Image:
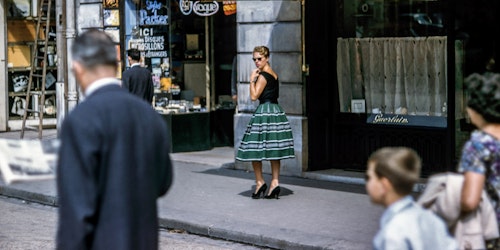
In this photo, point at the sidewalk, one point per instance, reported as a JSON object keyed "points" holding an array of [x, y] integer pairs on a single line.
{"points": [[209, 198]]}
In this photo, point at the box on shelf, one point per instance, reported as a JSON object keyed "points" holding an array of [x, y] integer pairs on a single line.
{"points": [[21, 31], [19, 56]]}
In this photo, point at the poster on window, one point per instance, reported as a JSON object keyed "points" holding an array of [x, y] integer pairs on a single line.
{"points": [[111, 3], [18, 8], [111, 17], [229, 7], [114, 33]]}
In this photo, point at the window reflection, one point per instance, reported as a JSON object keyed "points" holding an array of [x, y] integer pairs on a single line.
{"points": [[379, 18]]}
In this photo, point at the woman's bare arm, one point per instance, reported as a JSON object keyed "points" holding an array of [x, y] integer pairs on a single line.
{"points": [[471, 191]]}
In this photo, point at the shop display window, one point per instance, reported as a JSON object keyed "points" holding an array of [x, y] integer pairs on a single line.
{"points": [[147, 27], [21, 39], [392, 58]]}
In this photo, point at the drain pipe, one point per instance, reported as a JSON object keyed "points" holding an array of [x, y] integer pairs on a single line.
{"points": [[72, 88], [62, 68]]}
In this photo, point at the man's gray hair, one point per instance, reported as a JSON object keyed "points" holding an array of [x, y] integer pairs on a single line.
{"points": [[94, 48]]}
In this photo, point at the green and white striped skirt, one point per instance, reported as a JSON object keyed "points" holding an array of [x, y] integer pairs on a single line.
{"points": [[268, 135]]}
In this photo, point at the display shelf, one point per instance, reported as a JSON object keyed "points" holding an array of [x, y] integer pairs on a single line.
{"points": [[47, 93], [30, 43], [20, 69]]}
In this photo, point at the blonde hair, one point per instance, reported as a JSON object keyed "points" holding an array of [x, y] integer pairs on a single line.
{"points": [[263, 50], [400, 165]]}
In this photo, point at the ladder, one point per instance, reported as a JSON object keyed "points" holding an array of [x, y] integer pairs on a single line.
{"points": [[38, 63]]}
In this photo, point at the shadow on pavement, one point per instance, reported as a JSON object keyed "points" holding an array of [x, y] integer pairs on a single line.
{"points": [[284, 192], [289, 180]]}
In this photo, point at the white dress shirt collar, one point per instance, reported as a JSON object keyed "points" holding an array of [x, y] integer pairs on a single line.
{"points": [[101, 83]]}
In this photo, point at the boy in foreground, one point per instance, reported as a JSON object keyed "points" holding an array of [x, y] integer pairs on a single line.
{"points": [[391, 174]]}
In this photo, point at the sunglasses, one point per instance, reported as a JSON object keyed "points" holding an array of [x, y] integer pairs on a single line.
{"points": [[257, 59]]}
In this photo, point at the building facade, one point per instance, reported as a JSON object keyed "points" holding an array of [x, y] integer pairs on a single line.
{"points": [[354, 75], [371, 73]]}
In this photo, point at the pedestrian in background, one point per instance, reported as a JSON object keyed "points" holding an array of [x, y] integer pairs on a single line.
{"points": [[268, 135], [392, 172], [138, 80], [113, 160], [480, 160]]}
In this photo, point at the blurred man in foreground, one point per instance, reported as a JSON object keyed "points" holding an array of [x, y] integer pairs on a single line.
{"points": [[113, 160]]}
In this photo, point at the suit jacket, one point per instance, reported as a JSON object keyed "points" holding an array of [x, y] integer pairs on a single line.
{"points": [[138, 81], [113, 165], [442, 196]]}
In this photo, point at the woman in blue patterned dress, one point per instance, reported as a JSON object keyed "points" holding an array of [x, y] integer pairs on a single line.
{"points": [[268, 135], [480, 162]]}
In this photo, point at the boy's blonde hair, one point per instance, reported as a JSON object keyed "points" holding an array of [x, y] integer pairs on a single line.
{"points": [[400, 165]]}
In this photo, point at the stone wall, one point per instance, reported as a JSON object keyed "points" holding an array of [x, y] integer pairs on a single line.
{"points": [[89, 15]]}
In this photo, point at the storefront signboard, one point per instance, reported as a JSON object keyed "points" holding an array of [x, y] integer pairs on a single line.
{"points": [[150, 16], [407, 120], [200, 8]]}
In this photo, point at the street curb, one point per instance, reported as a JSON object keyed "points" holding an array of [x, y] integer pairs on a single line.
{"points": [[334, 178], [166, 223], [236, 236], [29, 196]]}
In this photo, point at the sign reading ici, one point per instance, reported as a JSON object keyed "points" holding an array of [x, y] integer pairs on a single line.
{"points": [[200, 8]]}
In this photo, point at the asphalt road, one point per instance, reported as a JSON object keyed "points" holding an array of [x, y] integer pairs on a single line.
{"points": [[26, 226]]}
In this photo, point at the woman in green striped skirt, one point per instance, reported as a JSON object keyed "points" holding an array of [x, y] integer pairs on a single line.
{"points": [[268, 135]]}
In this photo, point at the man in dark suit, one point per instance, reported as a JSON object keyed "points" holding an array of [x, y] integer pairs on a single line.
{"points": [[113, 161], [136, 79]]}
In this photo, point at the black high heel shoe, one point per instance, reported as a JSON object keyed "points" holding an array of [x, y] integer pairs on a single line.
{"points": [[262, 190], [274, 194]]}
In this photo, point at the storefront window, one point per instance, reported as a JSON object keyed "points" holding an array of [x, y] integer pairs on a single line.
{"points": [[392, 61], [172, 46], [147, 29]]}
